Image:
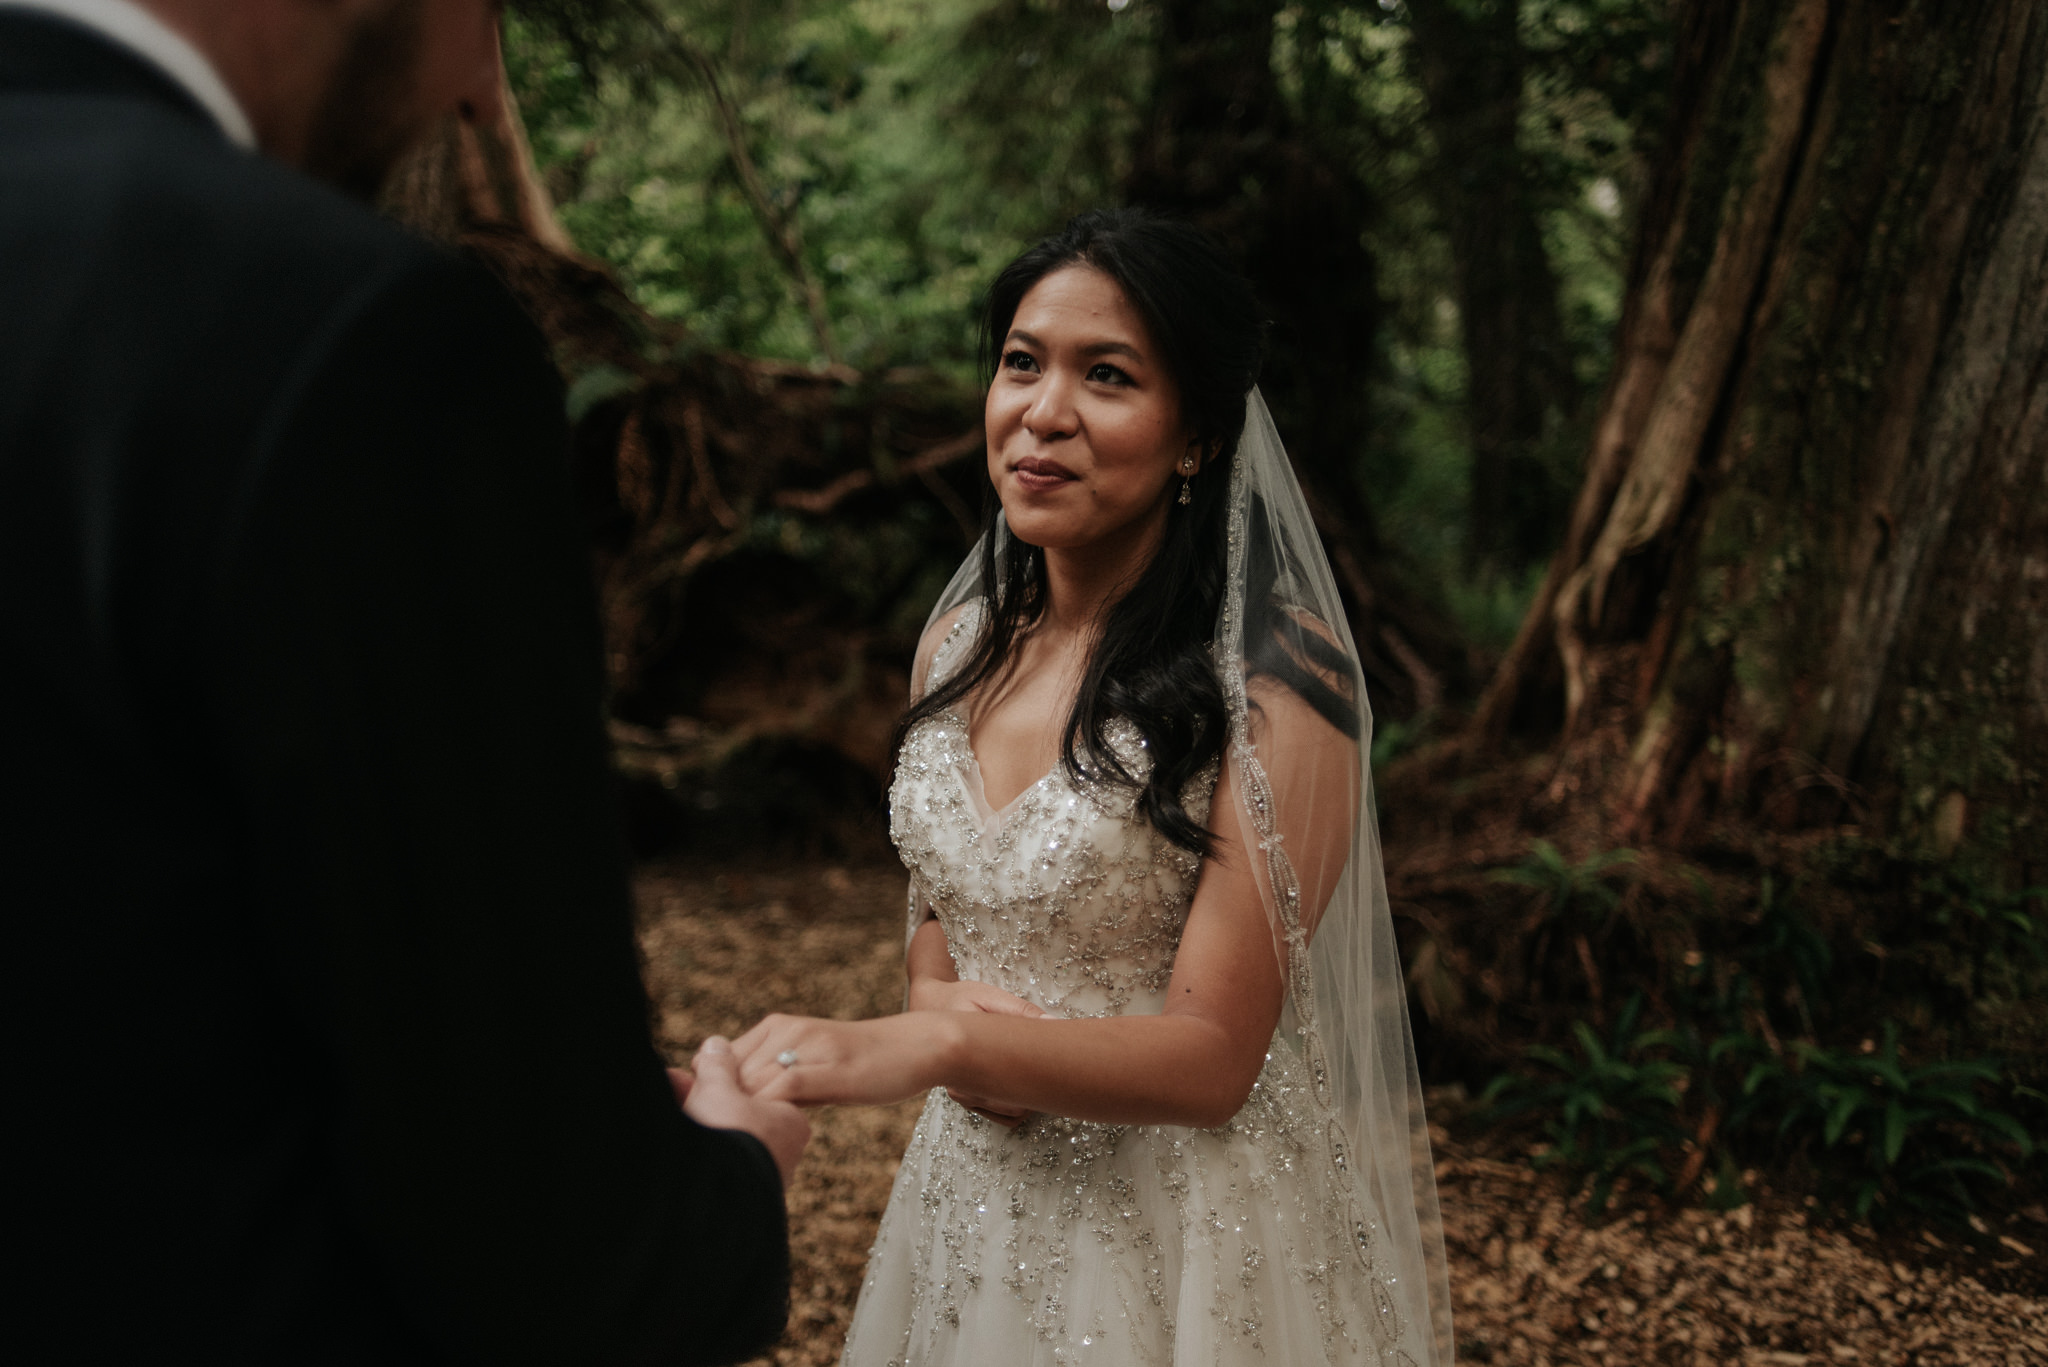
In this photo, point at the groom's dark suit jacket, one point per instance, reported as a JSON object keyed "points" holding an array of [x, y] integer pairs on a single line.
{"points": [[324, 1039]]}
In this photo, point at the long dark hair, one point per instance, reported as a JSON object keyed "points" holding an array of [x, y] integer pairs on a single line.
{"points": [[1151, 663]]}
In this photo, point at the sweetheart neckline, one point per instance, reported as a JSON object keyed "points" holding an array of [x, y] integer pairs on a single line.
{"points": [[990, 817]]}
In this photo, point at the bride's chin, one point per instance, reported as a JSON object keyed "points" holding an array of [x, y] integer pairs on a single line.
{"points": [[1032, 523], [1059, 530], [1035, 527]]}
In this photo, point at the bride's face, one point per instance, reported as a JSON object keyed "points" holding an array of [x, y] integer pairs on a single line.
{"points": [[1085, 432]]}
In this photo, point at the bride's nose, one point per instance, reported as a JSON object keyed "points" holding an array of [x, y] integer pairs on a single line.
{"points": [[1051, 415]]}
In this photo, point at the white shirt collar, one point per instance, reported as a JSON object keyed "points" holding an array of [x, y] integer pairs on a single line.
{"points": [[141, 32]]}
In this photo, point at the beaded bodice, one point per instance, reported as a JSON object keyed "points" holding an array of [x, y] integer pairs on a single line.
{"points": [[1067, 897], [1084, 1243]]}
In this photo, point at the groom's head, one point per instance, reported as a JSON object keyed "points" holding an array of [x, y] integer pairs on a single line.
{"points": [[341, 88]]}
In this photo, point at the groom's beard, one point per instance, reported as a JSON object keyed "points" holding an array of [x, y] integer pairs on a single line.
{"points": [[369, 117]]}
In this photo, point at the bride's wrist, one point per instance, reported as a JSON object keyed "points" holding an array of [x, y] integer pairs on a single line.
{"points": [[930, 994], [947, 1040]]}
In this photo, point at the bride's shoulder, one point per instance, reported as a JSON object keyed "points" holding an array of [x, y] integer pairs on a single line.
{"points": [[945, 638], [1299, 674]]}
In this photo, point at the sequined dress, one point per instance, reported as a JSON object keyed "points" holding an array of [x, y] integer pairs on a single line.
{"points": [[1072, 1242]]}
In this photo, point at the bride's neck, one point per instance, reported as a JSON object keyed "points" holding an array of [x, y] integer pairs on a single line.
{"points": [[1081, 581]]}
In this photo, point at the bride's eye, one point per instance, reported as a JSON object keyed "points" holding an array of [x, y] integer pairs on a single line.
{"points": [[1102, 372], [1020, 360]]}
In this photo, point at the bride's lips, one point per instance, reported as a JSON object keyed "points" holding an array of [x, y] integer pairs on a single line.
{"points": [[1038, 474]]}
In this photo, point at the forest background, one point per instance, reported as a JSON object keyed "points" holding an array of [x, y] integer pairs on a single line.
{"points": [[1670, 383]]}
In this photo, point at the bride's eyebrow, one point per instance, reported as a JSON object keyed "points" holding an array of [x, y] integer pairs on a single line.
{"points": [[1104, 348]]}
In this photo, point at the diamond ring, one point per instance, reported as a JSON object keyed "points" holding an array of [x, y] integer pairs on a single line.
{"points": [[787, 1058]]}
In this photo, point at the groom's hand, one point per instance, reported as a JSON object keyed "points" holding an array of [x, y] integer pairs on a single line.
{"points": [[715, 1098]]}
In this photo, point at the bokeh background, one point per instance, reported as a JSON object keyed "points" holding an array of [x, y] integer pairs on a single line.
{"points": [[832, 185], [1669, 380]]}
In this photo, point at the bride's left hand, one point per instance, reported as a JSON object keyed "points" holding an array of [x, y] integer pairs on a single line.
{"points": [[843, 1063]]}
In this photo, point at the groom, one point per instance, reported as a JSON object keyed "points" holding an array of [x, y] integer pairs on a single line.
{"points": [[324, 1036]]}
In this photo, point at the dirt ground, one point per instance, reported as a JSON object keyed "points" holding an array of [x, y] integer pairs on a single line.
{"points": [[1533, 1282]]}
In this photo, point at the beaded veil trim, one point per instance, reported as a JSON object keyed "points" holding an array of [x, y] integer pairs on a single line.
{"points": [[1286, 889]]}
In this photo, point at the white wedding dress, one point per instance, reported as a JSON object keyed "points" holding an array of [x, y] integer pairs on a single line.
{"points": [[1070, 1242]]}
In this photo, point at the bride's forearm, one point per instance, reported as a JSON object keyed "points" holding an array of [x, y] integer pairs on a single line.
{"points": [[1170, 1069], [929, 960], [1184, 1068], [1134, 1070], [1192, 1064]]}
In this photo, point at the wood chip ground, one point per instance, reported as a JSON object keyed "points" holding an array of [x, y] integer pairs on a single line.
{"points": [[1533, 1281]]}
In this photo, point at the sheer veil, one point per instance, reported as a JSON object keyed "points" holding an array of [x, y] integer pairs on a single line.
{"points": [[1298, 762]]}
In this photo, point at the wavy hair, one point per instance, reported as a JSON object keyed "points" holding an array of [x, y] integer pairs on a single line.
{"points": [[1151, 663]]}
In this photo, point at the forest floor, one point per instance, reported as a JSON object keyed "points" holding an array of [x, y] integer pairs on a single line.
{"points": [[1534, 1280]]}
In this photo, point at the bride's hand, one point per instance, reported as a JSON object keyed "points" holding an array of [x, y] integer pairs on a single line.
{"points": [[931, 994], [816, 1062], [1006, 1116], [713, 1096]]}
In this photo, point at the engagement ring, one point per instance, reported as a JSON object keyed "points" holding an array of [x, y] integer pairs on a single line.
{"points": [[787, 1058]]}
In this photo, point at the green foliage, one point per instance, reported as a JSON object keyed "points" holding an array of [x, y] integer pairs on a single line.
{"points": [[1957, 956], [882, 572], [1610, 1108], [1883, 1136], [1918, 1132], [1997, 925], [1787, 943], [1594, 90], [916, 145], [1774, 974], [1584, 889], [599, 384], [1393, 738], [1743, 1069]]}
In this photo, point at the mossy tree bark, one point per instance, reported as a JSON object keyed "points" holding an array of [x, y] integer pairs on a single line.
{"points": [[1806, 577]]}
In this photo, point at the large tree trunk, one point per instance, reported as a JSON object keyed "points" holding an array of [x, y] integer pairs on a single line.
{"points": [[1468, 60], [1807, 575], [1221, 147]]}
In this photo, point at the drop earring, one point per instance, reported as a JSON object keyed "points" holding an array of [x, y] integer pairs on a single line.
{"points": [[1187, 467]]}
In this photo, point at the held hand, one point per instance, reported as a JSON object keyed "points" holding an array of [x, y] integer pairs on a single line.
{"points": [[850, 1063], [934, 994], [1009, 1117], [714, 1097]]}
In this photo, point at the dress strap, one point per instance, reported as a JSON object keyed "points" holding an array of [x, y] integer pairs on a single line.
{"points": [[954, 650]]}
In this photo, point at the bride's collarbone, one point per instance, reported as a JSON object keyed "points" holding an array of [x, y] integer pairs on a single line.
{"points": [[1015, 731], [1014, 748]]}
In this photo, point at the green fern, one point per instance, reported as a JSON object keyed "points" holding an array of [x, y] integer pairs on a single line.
{"points": [[1565, 887], [1610, 1108], [1918, 1130]]}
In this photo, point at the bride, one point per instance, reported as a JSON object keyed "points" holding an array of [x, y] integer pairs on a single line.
{"points": [[1154, 992]]}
